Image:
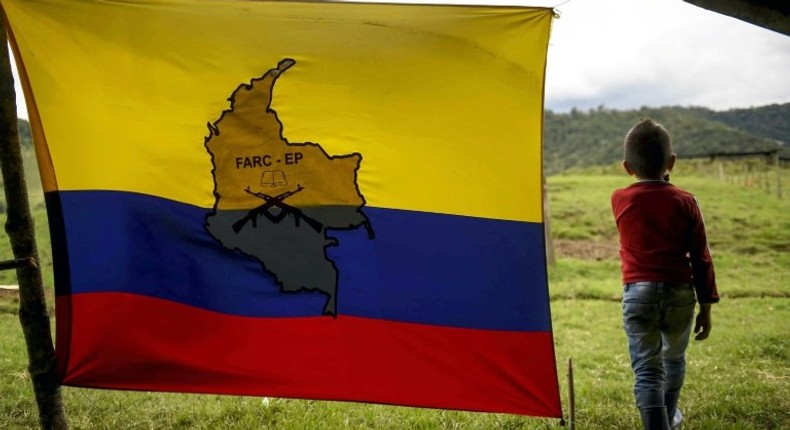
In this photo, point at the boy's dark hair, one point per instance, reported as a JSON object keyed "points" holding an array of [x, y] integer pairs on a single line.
{"points": [[647, 148]]}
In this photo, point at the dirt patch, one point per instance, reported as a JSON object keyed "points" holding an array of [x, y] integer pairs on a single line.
{"points": [[780, 247], [587, 249], [9, 290]]}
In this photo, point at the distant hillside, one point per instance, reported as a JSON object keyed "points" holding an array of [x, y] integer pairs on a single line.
{"points": [[595, 137], [771, 122]]}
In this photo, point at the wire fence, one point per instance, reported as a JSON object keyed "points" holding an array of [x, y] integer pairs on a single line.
{"points": [[763, 171]]}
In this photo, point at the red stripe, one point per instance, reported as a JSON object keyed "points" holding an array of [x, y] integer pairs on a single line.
{"points": [[126, 341]]}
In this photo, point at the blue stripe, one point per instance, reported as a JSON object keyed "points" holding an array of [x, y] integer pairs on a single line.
{"points": [[421, 267]]}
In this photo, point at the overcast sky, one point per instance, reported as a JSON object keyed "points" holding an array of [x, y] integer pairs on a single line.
{"points": [[625, 54]]}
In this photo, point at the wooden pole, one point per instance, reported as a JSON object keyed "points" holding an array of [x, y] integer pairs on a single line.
{"points": [[749, 173], [550, 258], [765, 176], [571, 397], [720, 166], [778, 163], [33, 313]]}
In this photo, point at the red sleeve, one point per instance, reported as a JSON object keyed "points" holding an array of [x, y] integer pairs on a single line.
{"points": [[701, 261]]}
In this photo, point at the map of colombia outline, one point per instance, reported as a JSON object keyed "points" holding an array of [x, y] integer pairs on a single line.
{"points": [[274, 200]]}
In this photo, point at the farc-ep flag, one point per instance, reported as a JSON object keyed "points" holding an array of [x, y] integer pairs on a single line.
{"points": [[295, 199]]}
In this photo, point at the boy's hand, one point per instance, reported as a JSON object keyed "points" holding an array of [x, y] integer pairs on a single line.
{"points": [[703, 324]]}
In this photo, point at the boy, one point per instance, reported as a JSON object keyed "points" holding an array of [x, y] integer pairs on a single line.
{"points": [[664, 261]]}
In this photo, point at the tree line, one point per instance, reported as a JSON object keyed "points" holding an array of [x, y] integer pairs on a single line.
{"points": [[595, 136]]}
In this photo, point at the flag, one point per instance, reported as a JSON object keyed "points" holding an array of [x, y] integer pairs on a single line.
{"points": [[334, 201]]}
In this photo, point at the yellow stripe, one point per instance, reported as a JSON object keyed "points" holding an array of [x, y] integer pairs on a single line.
{"points": [[46, 169], [444, 103]]}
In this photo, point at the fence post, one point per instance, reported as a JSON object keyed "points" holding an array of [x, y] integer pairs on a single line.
{"points": [[33, 313], [721, 169], [778, 163], [550, 258]]}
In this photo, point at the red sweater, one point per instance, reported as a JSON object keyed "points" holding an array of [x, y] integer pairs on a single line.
{"points": [[662, 237]]}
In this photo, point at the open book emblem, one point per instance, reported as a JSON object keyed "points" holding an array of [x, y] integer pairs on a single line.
{"points": [[273, 178]]}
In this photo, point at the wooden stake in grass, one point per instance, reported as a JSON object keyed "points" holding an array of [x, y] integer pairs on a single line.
{"points": [[19, 225], [778, 164], [571, 397], [550, 260]]}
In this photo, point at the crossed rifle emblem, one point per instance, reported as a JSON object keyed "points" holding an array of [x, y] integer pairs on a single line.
{"points": [[276, 202]]}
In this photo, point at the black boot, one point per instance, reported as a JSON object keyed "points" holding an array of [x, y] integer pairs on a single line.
{"points": [[654, 418]]}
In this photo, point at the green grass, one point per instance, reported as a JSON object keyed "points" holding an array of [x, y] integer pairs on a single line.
{"points": [[737, 379]]}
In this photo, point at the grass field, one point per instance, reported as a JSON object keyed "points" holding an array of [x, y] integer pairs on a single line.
{"points": [[737, 379]]}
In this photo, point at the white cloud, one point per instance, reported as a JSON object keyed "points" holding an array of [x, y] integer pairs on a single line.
{"points": [[627, 54]]}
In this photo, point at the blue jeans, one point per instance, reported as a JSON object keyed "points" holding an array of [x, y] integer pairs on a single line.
{"points": [[657, 318]]}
